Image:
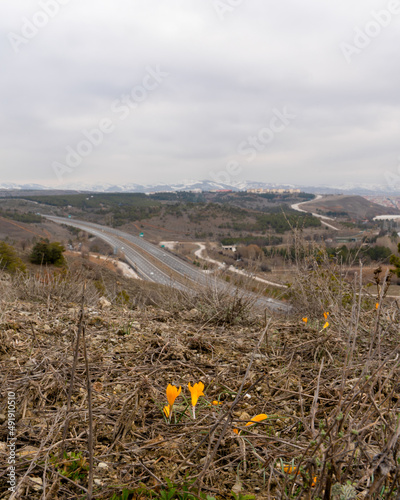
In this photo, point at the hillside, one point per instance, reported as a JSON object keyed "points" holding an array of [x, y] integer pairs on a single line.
{"points": [[343, 206], [180, 215], [323, 389]]}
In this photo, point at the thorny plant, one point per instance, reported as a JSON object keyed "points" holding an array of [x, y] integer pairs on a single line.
{"points": [[214, 304]]}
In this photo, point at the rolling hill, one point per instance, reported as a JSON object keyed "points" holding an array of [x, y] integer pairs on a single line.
{"points": [[354, 207]]}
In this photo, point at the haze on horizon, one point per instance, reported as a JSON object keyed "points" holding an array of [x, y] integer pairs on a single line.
{"points": [[146, 92]]}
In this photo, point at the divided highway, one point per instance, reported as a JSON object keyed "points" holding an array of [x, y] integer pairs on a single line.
{"points": [[131, 245], [141, 265]]}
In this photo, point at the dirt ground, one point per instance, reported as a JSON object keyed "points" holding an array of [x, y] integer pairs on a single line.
{"points": [[312, 401]]}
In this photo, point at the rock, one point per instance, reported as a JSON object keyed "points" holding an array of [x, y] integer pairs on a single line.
{"points": [[38, 483], [28, 451], [244, 416], [104, 303], [102, 465], [237, 487], [383, 464], [31, 363]]}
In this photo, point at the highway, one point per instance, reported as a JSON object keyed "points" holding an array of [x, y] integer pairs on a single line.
{"points": [[149, 269]]}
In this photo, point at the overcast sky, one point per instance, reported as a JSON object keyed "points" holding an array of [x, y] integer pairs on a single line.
{"points": [[144, 91]]}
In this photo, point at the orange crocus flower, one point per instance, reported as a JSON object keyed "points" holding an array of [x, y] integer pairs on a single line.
{"points": [[196, 391], [254, 420], [257, 418], [172, 393], [289, 469]]}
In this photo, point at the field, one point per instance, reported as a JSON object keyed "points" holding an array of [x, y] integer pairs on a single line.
{"points": [[298, 406]]}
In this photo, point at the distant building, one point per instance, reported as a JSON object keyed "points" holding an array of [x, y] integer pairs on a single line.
{"points": [[348, 239], [274, 191], [231, 248]]}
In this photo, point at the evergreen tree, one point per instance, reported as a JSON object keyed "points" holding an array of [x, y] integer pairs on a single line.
{"points": [[9, 259], [47, 253], [395, 261]]}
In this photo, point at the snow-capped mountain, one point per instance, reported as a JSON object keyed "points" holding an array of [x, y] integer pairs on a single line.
{"points": [[11, 186], [203, 185]]}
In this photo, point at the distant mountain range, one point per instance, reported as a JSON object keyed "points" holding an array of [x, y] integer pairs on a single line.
{"points": [[203, 185]]}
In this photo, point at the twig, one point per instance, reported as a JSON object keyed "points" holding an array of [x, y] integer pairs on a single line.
{"points": [[149, 472], [315, 401], [71, 385], [90, 436]]}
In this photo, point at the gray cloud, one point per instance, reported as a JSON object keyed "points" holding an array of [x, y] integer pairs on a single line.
{"points": [[225, 78]]}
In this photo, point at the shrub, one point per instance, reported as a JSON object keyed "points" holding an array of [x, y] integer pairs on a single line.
{"points": [[395, 261], [9, 259], [213, 303], [47, 253]]}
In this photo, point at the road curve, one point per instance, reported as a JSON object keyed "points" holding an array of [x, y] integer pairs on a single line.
{"points": [[322, 217], [130, 246]]}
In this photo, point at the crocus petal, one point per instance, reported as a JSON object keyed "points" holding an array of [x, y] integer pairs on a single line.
{"points": [[257, 418], [377, 305], [305, 320], [172, 393], [167, 410], [326, 314], [326, 325], [196, 391], [216, 403], [290, 469]]}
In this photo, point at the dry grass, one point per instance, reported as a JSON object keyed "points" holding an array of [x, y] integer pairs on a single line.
{"points": [[332, 395], [217, 303]]}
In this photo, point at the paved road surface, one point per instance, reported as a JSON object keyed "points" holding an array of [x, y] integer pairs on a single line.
{"points": [[322, 217], [149, 270]]}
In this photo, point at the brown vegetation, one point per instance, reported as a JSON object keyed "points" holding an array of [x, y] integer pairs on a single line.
{"points": [[91, 382]]}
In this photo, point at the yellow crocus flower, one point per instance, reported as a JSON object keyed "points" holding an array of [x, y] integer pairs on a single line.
{"points": [[172, 393]]}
